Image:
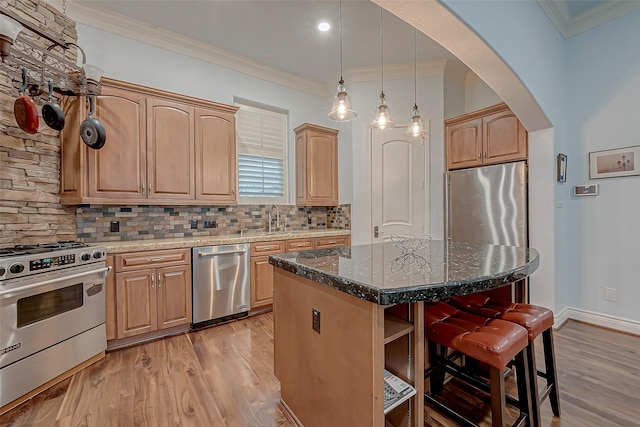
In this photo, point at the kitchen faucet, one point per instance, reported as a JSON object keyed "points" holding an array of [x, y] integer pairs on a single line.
{"points": [[277, 218]]}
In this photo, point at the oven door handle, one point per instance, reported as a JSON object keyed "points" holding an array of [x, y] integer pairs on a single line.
{"points": [[103, 272]]}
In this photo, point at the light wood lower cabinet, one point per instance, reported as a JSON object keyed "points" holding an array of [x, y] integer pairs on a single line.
{"points": [[151, 295], [332, 242], [262, 271]]}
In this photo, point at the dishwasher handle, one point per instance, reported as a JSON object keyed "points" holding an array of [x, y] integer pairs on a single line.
{"points": [[207, 254]]}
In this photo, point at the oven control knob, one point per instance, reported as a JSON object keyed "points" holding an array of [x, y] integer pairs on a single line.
{"points": [[2, 271], [85, 257], [97, 255], [16, 268]]}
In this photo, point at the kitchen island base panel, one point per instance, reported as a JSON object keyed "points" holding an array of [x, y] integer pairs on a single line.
{"points": [[336, 376]]}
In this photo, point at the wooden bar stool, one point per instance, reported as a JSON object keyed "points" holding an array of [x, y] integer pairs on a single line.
{"points": [[494, 342], [537, 320]]}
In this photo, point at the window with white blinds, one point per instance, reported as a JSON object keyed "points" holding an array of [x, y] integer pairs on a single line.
{"points": [[262, 155]]}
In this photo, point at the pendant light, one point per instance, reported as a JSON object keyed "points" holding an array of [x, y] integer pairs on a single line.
{"points": [[383, 115], [341, 109], [416, 127]]}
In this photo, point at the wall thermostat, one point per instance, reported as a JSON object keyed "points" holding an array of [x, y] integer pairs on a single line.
{"points": [[585, 190]]}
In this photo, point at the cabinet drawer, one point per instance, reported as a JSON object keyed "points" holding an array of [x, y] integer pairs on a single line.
{"points": [[298, 245], [266, 248], [138, 260], [332, 242]]}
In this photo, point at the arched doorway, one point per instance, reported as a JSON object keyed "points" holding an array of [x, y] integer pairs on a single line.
{"points": [[435, 20]]}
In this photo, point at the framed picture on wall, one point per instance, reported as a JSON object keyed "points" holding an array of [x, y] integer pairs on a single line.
{"points": [[562, 167], [614, 163]]}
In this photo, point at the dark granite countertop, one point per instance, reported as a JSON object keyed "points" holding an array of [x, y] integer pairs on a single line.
{"points": [[381, 273]]}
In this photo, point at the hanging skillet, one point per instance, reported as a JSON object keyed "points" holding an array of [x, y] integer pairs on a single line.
{"points": [[52, 112], [92, 131], [25, 110]]}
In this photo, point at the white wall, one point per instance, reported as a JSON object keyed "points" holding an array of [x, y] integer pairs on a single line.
{"points": [[400, 96], [129, 60], [603, 92], [478, 94]]}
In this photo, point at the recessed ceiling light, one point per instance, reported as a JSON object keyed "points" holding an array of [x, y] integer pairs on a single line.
{"points": [[324, 26]]}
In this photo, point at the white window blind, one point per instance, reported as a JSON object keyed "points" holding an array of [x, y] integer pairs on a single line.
{"points": [[262, 155]]}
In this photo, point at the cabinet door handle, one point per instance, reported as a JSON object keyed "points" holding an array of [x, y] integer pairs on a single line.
{"points": [[479, 156], [149, 189], [142, 184], [485, 154], [155, 259], [153, 276], [233, 191], [159, 281]]}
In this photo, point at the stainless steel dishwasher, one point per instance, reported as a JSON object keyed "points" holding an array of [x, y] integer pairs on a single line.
{"points": [[221, 283]]}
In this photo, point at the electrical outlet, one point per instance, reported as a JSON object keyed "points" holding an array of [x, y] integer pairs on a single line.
{"points": [[114, 227], [309, 219], [194, 224], [315, 319], [611, 294], [209, 223]]}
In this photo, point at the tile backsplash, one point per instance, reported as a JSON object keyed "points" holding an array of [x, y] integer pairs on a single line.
{"points": [[155, 222]]}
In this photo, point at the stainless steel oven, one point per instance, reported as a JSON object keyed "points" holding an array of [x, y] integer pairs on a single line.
{"points": [[52, 313]]}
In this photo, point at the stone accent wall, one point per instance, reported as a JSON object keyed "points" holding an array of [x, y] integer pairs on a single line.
{"points": [[148, 222], [30, 211]]}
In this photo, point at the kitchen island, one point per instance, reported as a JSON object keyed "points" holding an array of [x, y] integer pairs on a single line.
{"points": [[344, 315]]}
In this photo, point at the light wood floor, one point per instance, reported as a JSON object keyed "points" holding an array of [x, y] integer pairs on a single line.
{"points": [[223, 376]]}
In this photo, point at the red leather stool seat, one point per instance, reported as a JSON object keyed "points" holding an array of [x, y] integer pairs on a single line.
{"points": [[537, 320], [492, 341], [533, 317]]}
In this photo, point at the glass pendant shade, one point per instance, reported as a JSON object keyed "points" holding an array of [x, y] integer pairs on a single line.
{"points": [[416, 126], [9, 30], [383, 114], [341, 110]]}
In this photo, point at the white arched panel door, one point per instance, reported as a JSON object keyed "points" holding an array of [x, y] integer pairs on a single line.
{"points": [[399, 202]]}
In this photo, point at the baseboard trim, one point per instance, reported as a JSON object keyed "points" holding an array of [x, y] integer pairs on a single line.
{"points": [[598, 319]]}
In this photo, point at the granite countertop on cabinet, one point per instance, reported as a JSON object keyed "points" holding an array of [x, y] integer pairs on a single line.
{"points": [[383, 274], [122, 246]]}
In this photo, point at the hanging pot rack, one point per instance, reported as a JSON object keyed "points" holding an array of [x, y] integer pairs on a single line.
{"points": [[45, 63]]}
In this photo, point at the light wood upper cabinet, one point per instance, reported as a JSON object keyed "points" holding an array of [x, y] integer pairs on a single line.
{"points": [[170, 150], [118, 169], [161, 148], [316, 166], [216, 170], [484, 137]]}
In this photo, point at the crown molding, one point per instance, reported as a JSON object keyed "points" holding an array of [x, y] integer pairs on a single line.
{"points": [[140, 31], [569, 25], [397, 71]]}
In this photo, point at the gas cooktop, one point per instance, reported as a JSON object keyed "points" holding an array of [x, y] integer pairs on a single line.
{"points": [[39, 248]]}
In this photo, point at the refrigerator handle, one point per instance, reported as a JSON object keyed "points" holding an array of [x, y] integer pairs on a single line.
{"points": [[447, 207]]}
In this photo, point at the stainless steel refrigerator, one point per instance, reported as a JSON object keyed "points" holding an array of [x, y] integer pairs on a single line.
{"points": [[488, 204]]}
